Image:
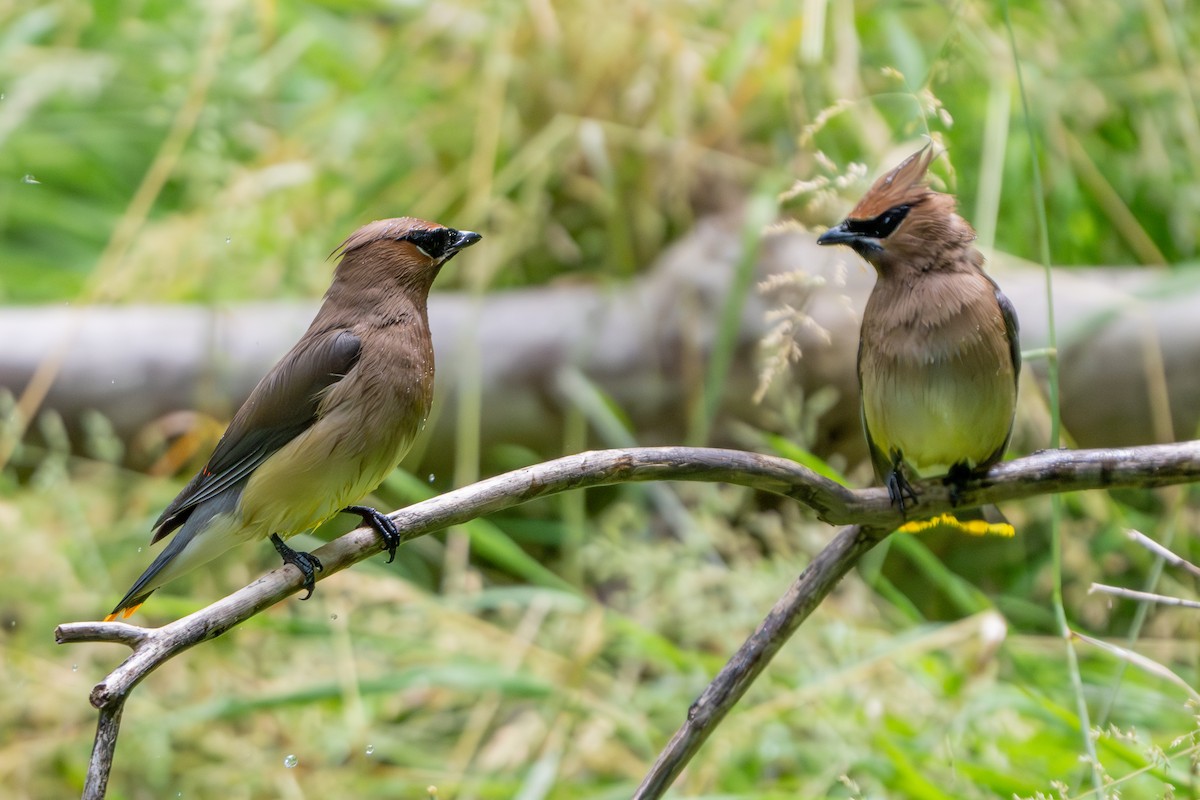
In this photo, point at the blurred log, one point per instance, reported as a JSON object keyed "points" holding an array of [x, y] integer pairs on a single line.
{"points": [[1129, 341]]}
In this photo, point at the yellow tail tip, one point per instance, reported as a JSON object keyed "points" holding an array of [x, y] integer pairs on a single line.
{"points": [[123, 612], [972, 527]]}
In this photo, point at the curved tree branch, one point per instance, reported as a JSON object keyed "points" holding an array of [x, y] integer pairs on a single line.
{"points": [[800, 600], [867, 511]]}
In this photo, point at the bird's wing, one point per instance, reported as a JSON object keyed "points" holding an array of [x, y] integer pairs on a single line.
{"points": [[281, 407], [1012, 331], [1011, 328], [879, 459]]}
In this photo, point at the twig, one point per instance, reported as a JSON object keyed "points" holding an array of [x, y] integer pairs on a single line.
{"points": [[1149, 666], [1149, 597], [1042, 473], [1163, 553]]}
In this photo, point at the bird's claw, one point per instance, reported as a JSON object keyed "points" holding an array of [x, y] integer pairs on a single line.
{"points": [[382, 524], [899, 489], [308, 564]]}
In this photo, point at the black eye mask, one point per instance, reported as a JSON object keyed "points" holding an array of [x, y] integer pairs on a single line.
{"points": [[435, 243], [878, 227]]}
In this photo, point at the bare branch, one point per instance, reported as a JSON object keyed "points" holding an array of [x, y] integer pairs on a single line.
{"points": [[120, 632], [100, 764], [867, 511], [817, 581]]}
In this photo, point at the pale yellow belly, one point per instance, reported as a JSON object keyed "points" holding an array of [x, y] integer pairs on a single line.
{"points": [[316, 475], [937, 415]]}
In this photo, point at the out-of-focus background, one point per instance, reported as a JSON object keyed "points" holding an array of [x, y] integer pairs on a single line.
{"points": [[644, 174]]}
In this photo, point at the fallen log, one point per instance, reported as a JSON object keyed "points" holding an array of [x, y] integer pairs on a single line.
{"points": [[1129, 349]]}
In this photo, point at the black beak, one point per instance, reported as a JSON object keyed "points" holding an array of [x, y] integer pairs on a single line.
{"points": [[837, 235], [865, 246], [464, 240]]}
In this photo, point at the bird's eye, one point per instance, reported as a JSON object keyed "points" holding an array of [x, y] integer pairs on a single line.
{"points": [[888, 221], [432, 243]]}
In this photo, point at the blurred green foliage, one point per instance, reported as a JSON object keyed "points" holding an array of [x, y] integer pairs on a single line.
{"points": [[581, 138], [208, 151]]}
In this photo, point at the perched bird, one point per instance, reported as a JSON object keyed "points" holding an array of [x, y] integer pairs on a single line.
{"points": [[329, 421], [938, 355]]}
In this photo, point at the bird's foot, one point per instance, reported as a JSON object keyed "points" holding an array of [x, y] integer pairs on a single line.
{"points": [[900, 490], [308, 564], [382, 524]]}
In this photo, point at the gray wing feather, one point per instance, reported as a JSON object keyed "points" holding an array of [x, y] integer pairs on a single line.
{"points": [[281, 407]]}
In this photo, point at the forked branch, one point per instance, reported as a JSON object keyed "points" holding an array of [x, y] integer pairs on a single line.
{"points": [[867, 512]]}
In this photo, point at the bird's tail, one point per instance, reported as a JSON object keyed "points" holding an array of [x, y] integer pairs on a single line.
{"points": [[985, 521], [211, 530], [145, 585]]}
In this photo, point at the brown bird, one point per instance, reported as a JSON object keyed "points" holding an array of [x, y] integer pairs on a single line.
{"points": [[938, 353], [329, 421]]}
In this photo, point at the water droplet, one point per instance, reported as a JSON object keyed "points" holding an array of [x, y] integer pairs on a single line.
{"points": [[228, 239], [370, 749], [333, 616], [139, 549], [29, 179], [432, 477], [74, 668], [12, 624], [290, 761], [1, 95]]}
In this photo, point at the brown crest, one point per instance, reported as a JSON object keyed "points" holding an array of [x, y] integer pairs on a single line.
{"points": [[382, 229], [904, 184]]}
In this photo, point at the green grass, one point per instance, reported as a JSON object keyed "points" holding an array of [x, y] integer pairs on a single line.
{"points": [[582, 141], [217, 153]]}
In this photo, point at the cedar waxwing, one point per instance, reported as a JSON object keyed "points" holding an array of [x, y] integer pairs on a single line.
{"points": [[329, 421], [938, 356]]}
